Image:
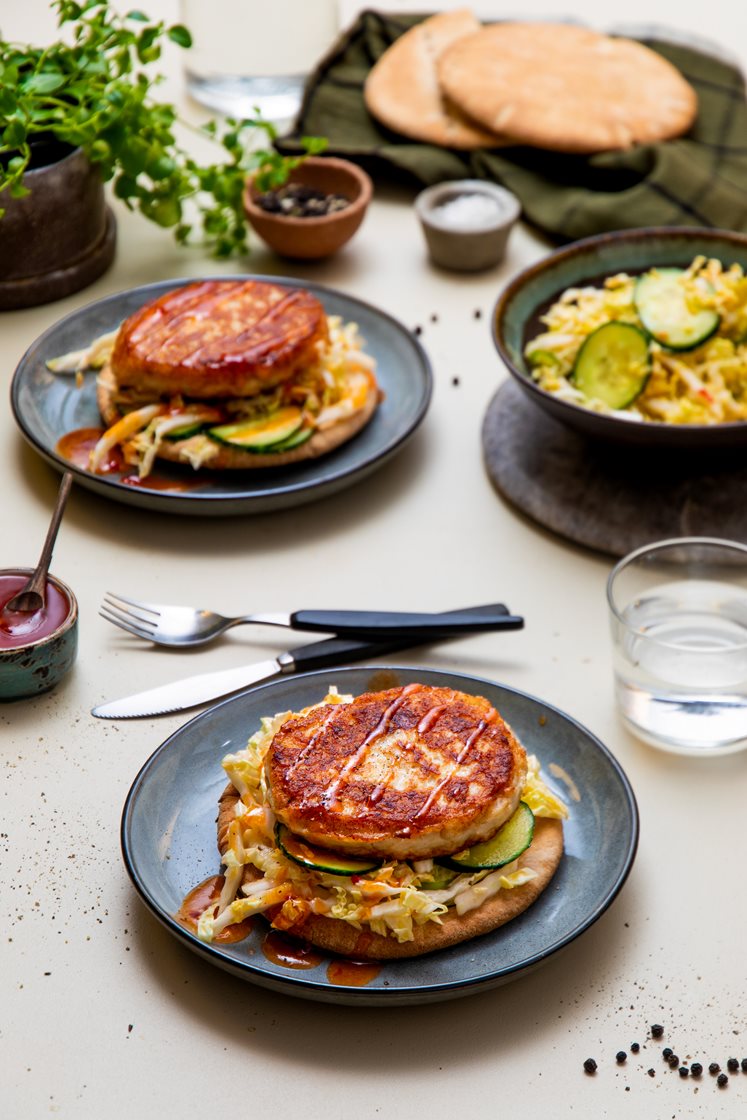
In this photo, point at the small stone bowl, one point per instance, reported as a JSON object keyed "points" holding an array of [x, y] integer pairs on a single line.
{"points": [[314, 238], [40, 665], [458, 245]]}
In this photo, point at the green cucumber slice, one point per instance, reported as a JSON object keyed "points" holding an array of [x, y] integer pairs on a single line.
{"points": [[185, 432], [295, 440], [262, 434], [661, 301], [513, 838], [437, 879], [318, 859], [613, 364]]}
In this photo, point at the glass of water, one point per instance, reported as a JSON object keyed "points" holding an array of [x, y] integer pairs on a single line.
{"points": [[255, 54], [678, 611]]}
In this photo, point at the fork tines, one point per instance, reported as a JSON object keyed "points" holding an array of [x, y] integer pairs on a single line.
{"points": [[129, 614]]}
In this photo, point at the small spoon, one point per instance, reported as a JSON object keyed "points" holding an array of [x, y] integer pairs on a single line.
{"points": [[32, 597]]}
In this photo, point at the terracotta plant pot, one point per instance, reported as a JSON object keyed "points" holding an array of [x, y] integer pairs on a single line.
{"points": [[61, 236], [314, 238]]}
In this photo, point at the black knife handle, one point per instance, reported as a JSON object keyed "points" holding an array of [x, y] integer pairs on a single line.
{"points": [[338, 651], [386, 625]]}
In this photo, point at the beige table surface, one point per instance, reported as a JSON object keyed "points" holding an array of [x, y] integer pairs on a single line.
{"points": [[102, 1012]]}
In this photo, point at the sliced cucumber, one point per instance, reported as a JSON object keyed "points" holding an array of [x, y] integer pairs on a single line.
{"points": [[317, 859], [262, 434], [509, 842], [295, 440], [661, 301], [438, 878], [613, 364], [185, 432]]}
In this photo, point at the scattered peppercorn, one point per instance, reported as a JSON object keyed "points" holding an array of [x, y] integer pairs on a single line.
{"points": [[417, 331], [295, 200], [590, 1065], [455, 381], [635, 1047], [657, 1030], [714, 1068], [434, 318], [621, 1057], [667, 1052], [673, 1061], [696, 1069], [684, 1071], [722, 1080], [744, 1065], [732, 1065], [478, 313], [652, 1073]]}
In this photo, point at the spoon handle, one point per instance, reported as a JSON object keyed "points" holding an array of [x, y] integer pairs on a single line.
{"points": [[38, 581]]}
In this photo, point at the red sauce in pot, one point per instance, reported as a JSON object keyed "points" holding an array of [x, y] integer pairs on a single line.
{"points": [[19, 628]]}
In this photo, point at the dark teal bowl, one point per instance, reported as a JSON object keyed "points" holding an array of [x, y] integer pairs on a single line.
{"points": [[515, 321], [39, 666]]}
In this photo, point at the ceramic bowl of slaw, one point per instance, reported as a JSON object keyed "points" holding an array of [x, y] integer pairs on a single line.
{"points": [[37, 649], [635, 337]]}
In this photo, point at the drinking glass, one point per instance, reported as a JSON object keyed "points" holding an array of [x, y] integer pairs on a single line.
{"points": [[678, 611], [255, 54]]}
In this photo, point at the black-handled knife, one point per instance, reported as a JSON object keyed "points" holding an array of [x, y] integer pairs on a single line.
{"points": [[191, 692]]}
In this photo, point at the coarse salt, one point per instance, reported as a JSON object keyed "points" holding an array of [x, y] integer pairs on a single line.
{"points": [[469, 211]]}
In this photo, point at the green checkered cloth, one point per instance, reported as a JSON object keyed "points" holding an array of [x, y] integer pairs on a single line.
{"points": [[699, 180]]}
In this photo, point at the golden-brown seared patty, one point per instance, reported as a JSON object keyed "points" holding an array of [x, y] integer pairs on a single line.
{"points": [[219, 338], [411, 772]]}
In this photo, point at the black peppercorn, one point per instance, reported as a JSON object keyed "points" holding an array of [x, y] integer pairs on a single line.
{"points": [[621, 1057], [722, 1080], [417, 331], [673, 1061], [652, 1073], [696, 1069], [667, 1052], [732, 1065], [590, 1065], [744, 1065], [657, 1030], [714, 1068], [478, 313], [635, 1047], [684, 1071]]}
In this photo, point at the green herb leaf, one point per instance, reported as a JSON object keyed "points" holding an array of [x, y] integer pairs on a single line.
{"points": [[180, 35]]}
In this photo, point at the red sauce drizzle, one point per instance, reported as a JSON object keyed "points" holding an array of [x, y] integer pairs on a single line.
{"points": [[352, 974], [76, 447], [200, 899], [290, 954], [473, 737], [18, 628], [155, 482]]}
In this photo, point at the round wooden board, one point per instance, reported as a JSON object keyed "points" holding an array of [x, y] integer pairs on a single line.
{"points": [[608, 497]]}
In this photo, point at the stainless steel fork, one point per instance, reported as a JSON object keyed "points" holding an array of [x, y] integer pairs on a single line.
{"points": [[186, 626]]}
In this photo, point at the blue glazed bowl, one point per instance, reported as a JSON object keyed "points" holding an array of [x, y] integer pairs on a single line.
{"points": [[516, 320], [39, 666]]}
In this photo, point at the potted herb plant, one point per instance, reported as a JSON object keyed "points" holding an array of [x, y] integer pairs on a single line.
{"points": [[81, 112]]}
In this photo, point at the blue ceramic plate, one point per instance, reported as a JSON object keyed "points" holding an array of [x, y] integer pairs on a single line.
{"points": [[516, 320], [169, 843], [47, 406]]}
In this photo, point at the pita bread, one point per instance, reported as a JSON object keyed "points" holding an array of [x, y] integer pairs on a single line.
{"points": [[566, 88], [402, 89], [543, 856], [233, 458]]}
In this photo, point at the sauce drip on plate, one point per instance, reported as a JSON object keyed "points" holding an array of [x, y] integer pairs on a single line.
{"points": [[290, 954], [352, 974], [76, 447], [18, 628], [199, 899]]}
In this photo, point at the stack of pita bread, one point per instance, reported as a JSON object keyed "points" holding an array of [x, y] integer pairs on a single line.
{"points": [[450, 81]]}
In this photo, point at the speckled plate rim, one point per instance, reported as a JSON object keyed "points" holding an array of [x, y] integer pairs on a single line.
{"points": [[286, 493], [299, 984], [673, 434]]}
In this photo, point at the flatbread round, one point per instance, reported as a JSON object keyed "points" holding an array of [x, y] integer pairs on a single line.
{"points": [[234, 458], [402, 89], [543, 856], [566, 88]]}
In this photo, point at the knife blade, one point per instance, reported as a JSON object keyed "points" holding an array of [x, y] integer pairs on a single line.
{"points": [[191, 692]]}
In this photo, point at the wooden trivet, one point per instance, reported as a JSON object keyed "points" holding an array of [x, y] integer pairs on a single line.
{"points": [[611, 498]]}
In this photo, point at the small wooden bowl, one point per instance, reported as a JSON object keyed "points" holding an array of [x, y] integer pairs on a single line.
{"points": [[314, 238]]}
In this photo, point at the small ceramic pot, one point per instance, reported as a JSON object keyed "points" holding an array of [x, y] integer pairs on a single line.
{"points": [[38, 666], [314, 238], [58, 238], [467, 246]]}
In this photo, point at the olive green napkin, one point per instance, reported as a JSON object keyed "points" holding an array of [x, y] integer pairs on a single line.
{"points": [[699, 180]]}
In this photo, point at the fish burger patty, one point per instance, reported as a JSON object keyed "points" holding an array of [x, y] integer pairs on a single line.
{"points": [[341, 823]]}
